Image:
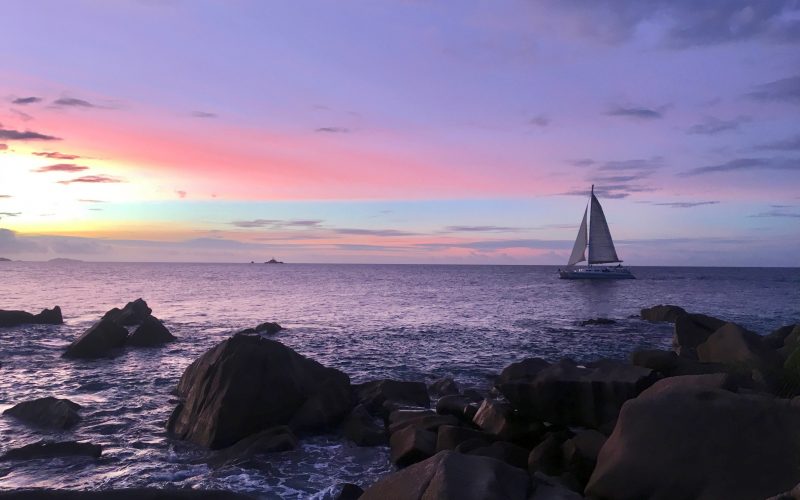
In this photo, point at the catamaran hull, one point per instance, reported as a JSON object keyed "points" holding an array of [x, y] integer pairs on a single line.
{"points": [[596, 273]]}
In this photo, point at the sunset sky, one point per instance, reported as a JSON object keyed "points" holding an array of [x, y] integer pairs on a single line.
{"points": [[407, 131]]}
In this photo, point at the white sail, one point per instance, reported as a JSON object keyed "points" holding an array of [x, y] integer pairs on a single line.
{"points": [[601, 246], [579, 250]]}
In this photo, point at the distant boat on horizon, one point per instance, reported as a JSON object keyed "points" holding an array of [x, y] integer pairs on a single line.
{"points": [[596, 237], [273, 261]]}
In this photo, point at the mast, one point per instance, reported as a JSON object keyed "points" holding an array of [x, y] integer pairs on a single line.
{"points": [[589, 228]]}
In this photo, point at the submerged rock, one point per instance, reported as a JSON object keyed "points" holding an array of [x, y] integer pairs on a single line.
{"points": [[98, 341], [565, 393], [150, 333], [662, 313], [47, 412], [132, 314], [453, 476], [272, 440], [248, 383], [686, 440], [125, 494], [50, 449], [361, 428], [373, 395], [598, 321], [46, 317]]}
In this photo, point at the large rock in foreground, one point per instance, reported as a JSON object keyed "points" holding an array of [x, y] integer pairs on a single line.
{"points": [[46, 317], [249, 383], [695, 440], [565, 393], [98, 341], [742, 350], [47, 412], [453, 476]]}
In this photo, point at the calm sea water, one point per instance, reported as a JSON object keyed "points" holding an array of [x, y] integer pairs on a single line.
{"points": [[371, 321]]}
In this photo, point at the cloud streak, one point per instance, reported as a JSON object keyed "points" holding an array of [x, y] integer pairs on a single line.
{"points": [[637, 112], [783, 90], [92, 179], [22, 101], [744, 164], [26, 135], [686, 204], [333, 130], [56, 155], [61, 167], [789, 144], [276, 223], [713, 125], [72, 102]]}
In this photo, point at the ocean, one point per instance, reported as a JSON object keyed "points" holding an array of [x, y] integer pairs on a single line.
{"points": [[410, 322]]}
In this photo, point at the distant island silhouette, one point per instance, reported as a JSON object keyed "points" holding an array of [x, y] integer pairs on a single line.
{"points": [[64, 260], [273, 261]]}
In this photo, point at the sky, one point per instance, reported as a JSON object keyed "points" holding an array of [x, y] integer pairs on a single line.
{"points": [[399, 131]]}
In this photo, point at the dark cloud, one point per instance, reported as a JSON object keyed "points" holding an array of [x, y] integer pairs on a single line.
{"points": [[481, 229], [635, 164], [740, 164], [637, 112], [783, 90], [373, 232], [713, 126], [9, 214], [181, 194], [92, 179], [686, 204], [778, 213], [27, 135], [73, 102], [790, 144], [276, 223], [203, 114], [689, 23], [540, 121], [611, 191], [56, 155], [333, 130], [5, 196], [21, 101], [61, 167]]}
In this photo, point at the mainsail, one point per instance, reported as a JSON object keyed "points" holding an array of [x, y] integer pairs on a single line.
{"points": [[579, 250], [601, 246]]}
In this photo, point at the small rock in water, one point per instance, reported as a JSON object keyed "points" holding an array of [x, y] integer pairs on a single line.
{"points": [[598, 321], [47, 412], [269, 328], [46, 317], [665, 313], [50, 449], [150, 333], [98, 341], [132, 314]]}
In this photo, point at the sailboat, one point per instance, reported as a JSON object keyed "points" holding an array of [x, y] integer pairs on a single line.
{"points": [[597, 238]]}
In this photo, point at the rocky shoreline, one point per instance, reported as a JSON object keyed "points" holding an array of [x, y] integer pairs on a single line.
{"points": [[715, 417]]}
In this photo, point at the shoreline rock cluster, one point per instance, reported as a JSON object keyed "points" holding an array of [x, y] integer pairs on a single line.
{"points": [[718, 416], [17, 318]]}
